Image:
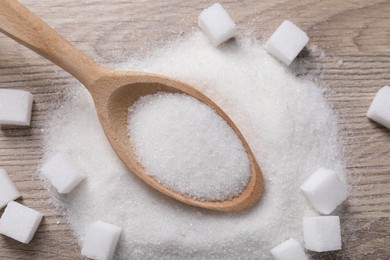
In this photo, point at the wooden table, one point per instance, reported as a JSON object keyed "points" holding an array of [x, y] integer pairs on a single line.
{"points": [[354, 35]]}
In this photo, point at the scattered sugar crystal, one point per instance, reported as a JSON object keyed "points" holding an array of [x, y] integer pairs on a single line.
{"points": [[322, 234], [100, 241], [268, 104], [217, 24], [380, 107], [325, 190], [194, 152], [289, 249], [62, 172], [19, 222], [286, 42], [15, 107], [8, 191]]}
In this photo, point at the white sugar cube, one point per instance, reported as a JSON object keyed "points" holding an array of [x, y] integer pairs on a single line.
{"points": [[289, 249], [100, 240], [380, 107], [8, 190], [325, 190], [19, 222], [217, 24], [322, 234], [286, 42], [15, 107], [62, 173]]}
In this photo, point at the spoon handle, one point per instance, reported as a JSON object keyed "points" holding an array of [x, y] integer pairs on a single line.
{"points": [[22, 25]]}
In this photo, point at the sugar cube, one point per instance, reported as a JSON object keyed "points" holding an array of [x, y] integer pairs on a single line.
{"points": [[289, 249], [322, 234], [62, 172], [286, 42], [19, 222], [8, 190], [379, 110], [217, 24], [100, 240], [15, 107], [325, 190]]}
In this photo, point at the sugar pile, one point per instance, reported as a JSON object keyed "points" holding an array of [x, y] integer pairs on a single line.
{"points": [[187, 147], [289, 126]]}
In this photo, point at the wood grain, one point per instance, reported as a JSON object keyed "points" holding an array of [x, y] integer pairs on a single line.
{"points": [[355, 38]]}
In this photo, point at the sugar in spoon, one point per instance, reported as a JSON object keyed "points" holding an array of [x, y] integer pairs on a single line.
{"points": [[113, 93]]}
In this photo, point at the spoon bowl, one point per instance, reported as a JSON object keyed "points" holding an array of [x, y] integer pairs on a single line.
{"points": [[113, 93]]}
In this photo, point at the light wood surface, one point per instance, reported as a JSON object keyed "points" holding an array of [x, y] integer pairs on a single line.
{"points": [[113, 93], [355, 38]]}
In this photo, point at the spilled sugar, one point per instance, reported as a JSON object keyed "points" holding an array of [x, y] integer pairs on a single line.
{"points": [[188, 147], [289, 126]]}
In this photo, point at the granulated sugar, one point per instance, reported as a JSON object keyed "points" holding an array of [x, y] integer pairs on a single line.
{"points": [[286, 121], [188, 147]]}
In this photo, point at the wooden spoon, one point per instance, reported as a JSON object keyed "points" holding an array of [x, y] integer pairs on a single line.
{"points": [[113, 93]]}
